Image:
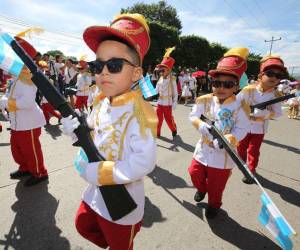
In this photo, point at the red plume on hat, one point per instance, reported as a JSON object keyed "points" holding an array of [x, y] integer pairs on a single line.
{"points": [[30, 50], [167, 60]]}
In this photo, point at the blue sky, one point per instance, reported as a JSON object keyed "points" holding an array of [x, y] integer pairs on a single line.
{"points": [[230, 22]]}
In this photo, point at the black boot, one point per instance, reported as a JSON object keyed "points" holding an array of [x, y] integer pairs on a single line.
{"points": [[248, 181], [19, 174], [211, 212], [35, 180], [174, 133], [199, 196]]}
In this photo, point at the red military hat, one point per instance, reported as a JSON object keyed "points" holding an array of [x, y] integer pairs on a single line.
{"points": [[82, 64], [167, 60], [30, 50], [132, 28], [271, 62], [233, 63]]}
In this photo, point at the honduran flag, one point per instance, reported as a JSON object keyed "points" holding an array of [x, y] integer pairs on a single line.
{"points": [[146, 87], [272, 219], [9, 61]]}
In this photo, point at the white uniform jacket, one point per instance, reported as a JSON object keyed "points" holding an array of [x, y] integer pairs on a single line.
{"points": [[230, 117], [253, 94], [26, 114], [123, 133], [167, 90]]}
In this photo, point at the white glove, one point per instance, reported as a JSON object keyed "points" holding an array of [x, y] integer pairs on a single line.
{"points": [[3, 102], [261, 113], [216, 144], [69, 124], [5, 114], [174, 105], [204, 129]]}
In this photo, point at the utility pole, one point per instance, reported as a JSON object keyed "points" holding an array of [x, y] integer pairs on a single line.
{"points": [[294, 67], [271, 41]]}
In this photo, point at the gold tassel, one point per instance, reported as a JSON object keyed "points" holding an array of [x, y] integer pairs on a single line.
{"points": [[145, 114], [169, 51]]}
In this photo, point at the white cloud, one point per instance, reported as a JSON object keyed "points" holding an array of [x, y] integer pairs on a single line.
{"points": [[236, 32]]}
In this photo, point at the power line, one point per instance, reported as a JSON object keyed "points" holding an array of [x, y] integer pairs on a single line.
{"points": [[65, 39], [253, 15], [237, 13], [23, 23], [263, 13]]}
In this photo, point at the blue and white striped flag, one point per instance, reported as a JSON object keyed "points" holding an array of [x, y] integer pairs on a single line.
{"points": [[147, 88], [272, 219], [9, 61]]}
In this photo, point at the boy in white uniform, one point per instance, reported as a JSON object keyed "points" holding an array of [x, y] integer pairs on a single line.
{"points": [[26, 119], [124, 131], [272, 70], [211, 166]]}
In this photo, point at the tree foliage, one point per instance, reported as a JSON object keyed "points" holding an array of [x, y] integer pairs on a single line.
{"points": [[162, 37], [159, 12], [193, 52], [54, 53]]}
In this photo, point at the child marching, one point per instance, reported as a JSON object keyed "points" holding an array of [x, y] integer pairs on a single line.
{"points": [[211, 166], [168, 96], [272, 70], [124, 129]]}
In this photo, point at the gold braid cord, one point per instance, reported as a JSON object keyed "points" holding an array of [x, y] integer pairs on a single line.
{"points": [[145, 115]]}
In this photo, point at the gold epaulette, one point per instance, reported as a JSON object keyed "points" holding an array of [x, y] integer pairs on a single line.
{"points": [[278, 93], [173, 78], [204, 98], [246, 107], [249, 88], [98, 98], [145, 115]]}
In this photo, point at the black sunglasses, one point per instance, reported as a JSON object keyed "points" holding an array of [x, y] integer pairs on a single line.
{"points": [[114, 65], [271, 73], [225, 84]]}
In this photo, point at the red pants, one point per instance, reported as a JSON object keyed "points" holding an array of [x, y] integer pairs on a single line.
{"points": [[81, 102], [209, 180], [102, 232], [248, 149], [165, 112], [48, 109], [27, 152]]}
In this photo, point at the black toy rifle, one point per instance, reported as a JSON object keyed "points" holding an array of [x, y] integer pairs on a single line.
{"points": [[216, 133], [263, 105], [116, 197]]}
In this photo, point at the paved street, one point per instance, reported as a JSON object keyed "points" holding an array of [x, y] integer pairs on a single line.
{"points": [[42, 217]]}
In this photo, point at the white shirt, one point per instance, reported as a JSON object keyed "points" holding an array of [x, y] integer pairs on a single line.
{"points": [[192, 82], [52, 69], [93, 91], [118, 138], [69, 74], [181, 80], [58, 68], [83, 83], [28, 115], [235, 128], [167, 90], [253, 94]]}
